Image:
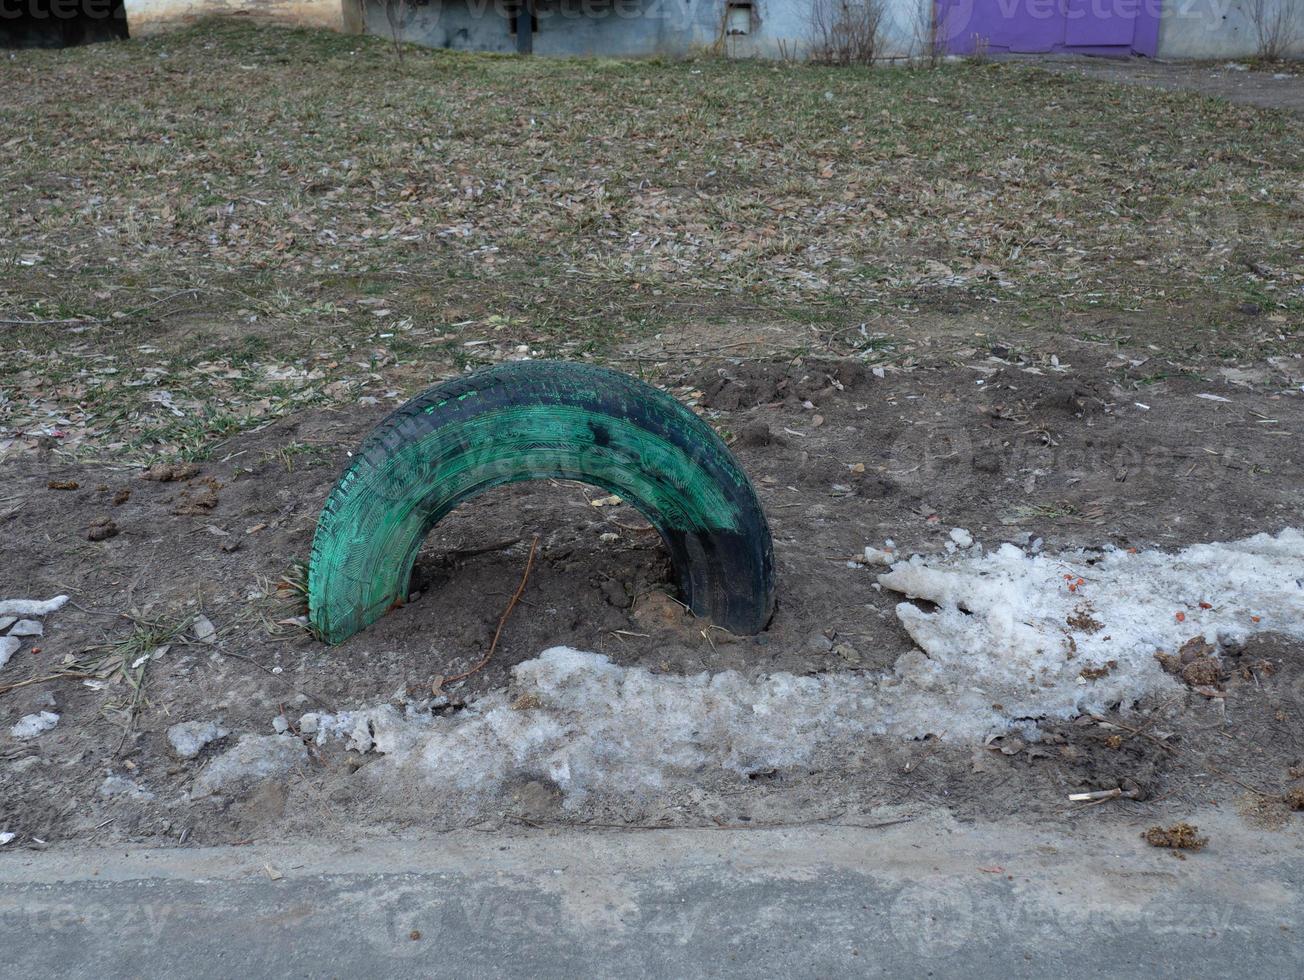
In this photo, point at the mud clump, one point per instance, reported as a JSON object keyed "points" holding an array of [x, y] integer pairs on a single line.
{"points": [[101, 529], [1096, 673], [657, 610], [1196, 663], [1294, 799], [1204, 672], [63, 485], [755, 433], [1181, 836], [198, 502], [171, 472]]}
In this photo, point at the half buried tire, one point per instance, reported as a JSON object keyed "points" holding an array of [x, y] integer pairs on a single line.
{"points": [[531, 420]]}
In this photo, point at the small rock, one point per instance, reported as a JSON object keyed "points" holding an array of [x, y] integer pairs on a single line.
{"points": [[189, 737], [101, 529], [847, 652], [29, 726], [819, 643], [121, 497], [204, 630], [27, 627]]}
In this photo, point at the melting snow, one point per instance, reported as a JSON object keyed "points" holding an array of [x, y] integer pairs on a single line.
{"points": [[29, 726], [1008, 643]]}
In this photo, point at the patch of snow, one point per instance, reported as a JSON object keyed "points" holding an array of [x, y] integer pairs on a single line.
{"points": [[29, 726], [189, 737], [6, 837], [27, 627], [6, 622], [961, 537], [31, 607], [1015, 637], [8, 647], [877, 556], [382, 728], [1013, 633], [254, 758]]}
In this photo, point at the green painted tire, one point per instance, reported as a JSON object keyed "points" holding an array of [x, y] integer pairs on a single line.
{"points": [[531, 420]]}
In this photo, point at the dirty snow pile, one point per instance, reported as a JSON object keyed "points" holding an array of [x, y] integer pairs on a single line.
{"points": [[20, 618], [1018, 636], [1014, 638]]}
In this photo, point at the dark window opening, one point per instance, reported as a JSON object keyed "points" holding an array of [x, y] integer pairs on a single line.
{"points": [[60, 23], [738, 18]]}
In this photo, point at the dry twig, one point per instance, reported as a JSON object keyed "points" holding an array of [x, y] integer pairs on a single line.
{"points": [[516, 597]]}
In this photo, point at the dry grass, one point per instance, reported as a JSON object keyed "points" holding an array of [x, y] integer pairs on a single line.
{"points": [[240, 222]]}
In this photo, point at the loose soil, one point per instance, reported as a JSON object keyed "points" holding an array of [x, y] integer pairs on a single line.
{"points": [[1073, 442]]}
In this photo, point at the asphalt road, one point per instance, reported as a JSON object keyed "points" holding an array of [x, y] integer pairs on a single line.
{"points": [[924, 898]]}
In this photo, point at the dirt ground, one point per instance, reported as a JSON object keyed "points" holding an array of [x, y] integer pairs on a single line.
{"points": [[1268, 87], [976, 296], [1076, 442]]}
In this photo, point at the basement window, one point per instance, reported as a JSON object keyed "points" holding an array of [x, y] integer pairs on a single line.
{"points": [[738, 18], [60, 23]]}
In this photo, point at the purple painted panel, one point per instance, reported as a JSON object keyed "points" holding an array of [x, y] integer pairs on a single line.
{"points": [[1090, 23], [1117, 27]]}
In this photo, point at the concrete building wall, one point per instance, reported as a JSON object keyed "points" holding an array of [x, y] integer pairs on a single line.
{"points": [[629, 28], [151, 16], [1225, 28]]}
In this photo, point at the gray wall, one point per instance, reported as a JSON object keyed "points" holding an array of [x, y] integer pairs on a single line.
{"points": [[1222, 28], [625, 28]]}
